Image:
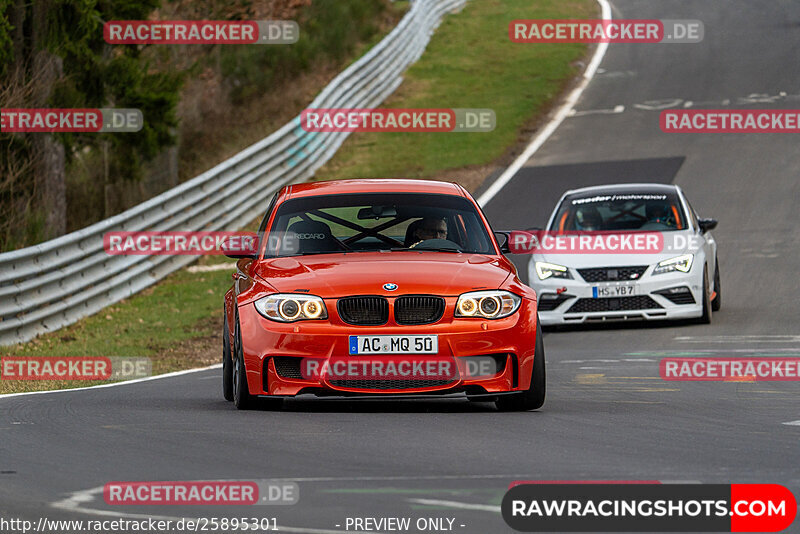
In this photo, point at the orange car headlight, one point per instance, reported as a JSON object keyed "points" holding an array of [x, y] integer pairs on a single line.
{"points": [[487, 304], [291, 307]]}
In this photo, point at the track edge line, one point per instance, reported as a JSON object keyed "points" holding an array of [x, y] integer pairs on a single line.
{"points": [[124, 383]]}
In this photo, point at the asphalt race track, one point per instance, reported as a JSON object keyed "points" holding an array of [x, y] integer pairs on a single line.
{"points": [[608, 415]]}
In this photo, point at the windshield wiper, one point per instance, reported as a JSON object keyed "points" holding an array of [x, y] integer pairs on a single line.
{"points": [[429, 249], [312, 253]]}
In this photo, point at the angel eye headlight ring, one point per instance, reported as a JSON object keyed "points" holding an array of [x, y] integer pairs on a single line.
{"points": [[291, 307], [467, 306], [493, 304]]}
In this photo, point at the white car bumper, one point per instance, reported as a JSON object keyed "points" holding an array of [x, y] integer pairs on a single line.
{"points": [[673, 295]]}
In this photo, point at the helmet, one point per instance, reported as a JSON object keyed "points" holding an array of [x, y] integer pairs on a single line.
{"points": [[588, 218], [657, 212]]}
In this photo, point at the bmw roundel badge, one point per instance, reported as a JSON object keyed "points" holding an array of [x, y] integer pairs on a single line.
{"points": [[389, 286]]}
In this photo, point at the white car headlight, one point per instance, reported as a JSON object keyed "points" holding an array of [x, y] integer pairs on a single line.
{"points": [[290, 307], [546, 270], [679, 263], [487, 304]]}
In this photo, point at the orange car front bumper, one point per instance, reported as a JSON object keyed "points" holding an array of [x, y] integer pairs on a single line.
{"points": [[510, 341]]}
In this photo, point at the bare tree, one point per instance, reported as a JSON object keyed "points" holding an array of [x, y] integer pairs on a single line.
{"points": [[17, 160], [48, 171]]}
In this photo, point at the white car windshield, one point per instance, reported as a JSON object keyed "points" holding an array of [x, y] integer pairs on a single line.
{"points": [[620, 212]]}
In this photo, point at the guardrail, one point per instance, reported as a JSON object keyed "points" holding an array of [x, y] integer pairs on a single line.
{"points": [[53, 284]]}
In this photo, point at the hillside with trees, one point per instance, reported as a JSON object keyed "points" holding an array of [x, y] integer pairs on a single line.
{"points": [[201, 103]]}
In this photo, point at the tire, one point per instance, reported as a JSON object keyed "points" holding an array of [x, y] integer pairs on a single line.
{"points": [[716, 304], [706, 317], [241, 393], [533, 397], [227, 362]]}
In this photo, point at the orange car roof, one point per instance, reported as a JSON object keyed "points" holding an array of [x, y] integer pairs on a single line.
{"points": [[336, 187]]}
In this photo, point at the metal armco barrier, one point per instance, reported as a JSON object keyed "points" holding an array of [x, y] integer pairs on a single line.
{"points": [[53, 284]]}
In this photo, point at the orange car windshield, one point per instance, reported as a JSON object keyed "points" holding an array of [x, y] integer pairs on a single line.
{"points": [[367, 222]]}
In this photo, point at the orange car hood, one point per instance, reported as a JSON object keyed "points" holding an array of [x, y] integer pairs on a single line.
{"points": [[365, 273]]}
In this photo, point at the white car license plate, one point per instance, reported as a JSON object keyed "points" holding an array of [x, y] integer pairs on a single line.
{"points": [[394, 344], [622, 290]]}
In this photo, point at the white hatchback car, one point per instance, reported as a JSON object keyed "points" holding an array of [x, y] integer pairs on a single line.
{"points": [[680, 280]]}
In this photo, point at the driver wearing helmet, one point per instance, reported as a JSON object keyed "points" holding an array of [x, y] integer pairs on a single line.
{"points": [[658, 212], [588, 218]]}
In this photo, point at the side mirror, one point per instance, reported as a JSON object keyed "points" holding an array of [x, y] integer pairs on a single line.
{"points": [[706, 224], [504, 243], [242, 246], [242, 256]]}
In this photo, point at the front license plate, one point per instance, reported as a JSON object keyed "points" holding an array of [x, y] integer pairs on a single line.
{"points": [[622, 290], [394, 344]]}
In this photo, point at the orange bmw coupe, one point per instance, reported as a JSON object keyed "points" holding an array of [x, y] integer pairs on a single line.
{"points": [[380, 288]]}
